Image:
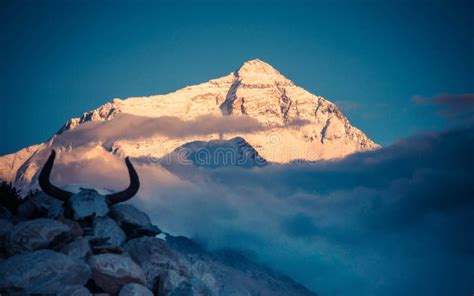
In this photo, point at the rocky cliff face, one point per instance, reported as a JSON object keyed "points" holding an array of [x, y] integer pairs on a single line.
{"points": [[295, 123]]}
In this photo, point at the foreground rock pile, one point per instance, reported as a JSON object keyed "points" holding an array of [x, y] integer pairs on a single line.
{"points": [[121, 253]]}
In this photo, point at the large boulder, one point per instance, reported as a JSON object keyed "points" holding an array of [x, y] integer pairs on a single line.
{"points": [[35, 234], [76, 229], [160, 264], [128, 213], [133, 289], [78, 249], [134, 222], [111, 271], [104, 227], [41, 272]]}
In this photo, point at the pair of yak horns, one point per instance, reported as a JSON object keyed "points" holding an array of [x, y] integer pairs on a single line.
{"points": [[64, 195]]}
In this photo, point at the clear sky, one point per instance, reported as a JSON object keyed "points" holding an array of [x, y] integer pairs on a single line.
{"points": [[62, 58]]}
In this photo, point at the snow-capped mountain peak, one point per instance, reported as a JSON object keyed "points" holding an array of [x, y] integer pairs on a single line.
{"points": [[255, 71], [293, 123]]}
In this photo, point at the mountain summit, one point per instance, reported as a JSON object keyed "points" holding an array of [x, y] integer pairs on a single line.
{"points": [[256, 70], [290, 123]]}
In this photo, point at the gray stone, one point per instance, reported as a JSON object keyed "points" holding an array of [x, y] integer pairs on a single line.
{"points": [[42, 271], [157, 261], [34, 234], [78, 249], [76, 229], [110, 272], [75, 291], [88, 203], [106, 227], [133, 289], [130, 214], [133, 221]]}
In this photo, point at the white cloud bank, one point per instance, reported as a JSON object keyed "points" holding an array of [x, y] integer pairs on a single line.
{"points": [[133, 127], [396, 221]]}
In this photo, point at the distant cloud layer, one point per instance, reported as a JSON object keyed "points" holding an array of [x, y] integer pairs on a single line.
{"points": [[457, 107], [395, 221]]}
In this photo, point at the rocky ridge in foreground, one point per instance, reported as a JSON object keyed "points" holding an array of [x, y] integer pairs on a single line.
{"points": [[41, 252]]}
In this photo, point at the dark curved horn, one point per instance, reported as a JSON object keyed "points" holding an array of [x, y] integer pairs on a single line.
{"points": [[46, 185], [130, 191]]}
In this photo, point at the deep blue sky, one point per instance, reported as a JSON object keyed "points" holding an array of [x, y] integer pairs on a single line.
{"points": [[62, 58]]}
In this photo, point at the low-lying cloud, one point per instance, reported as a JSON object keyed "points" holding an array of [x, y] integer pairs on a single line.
{"points": [[134, 127], [394, 221], [398, 220]]}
